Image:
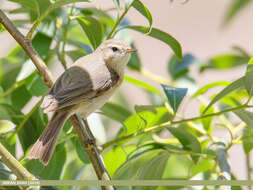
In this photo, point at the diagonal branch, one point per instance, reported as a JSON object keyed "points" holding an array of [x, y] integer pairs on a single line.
{"points": [[81, 128]]}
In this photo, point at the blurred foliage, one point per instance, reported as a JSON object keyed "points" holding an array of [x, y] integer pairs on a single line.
{"points": [[152, 141]]}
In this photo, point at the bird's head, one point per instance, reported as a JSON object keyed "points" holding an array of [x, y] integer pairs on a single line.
{"points": [[116, 53]]}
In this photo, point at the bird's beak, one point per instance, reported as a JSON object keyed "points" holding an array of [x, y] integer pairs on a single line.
{"points": [[130, 50]]}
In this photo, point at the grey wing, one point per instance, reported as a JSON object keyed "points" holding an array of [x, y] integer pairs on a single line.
{"points": [[75, 85]]}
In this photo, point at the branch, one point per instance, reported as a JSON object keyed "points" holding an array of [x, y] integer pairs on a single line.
{"points": [[88, 141], [14, 165], [157, 127]]}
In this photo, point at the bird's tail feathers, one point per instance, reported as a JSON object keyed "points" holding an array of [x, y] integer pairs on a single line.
{"points": [[45, 145]]}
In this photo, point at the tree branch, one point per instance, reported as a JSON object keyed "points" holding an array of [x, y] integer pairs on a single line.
{"points": [[88, 141], [14, 165]]}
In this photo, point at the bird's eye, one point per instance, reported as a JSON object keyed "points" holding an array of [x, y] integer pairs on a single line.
{"points": [[114, 49]]}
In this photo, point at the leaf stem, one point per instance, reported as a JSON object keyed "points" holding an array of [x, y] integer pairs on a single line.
{"points": [[118, 21], [65, 32], [36, 24], [154, 128], [11, 89]]}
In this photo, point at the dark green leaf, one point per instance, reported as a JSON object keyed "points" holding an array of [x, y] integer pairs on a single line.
{"points": [[160, 35], [208, 86], [115, 111], [174, 95], [130, 168], [247, 140], [230, 88], [235, 7], [101, 15], [81, 152], [153, 168], [142, 85], [93, 30], [20, 97], [178, 68], [139, 6], [55, 167], [189, 142], [248, 80], [7, 112], [41, 43], [34, 125], [36, 86]]}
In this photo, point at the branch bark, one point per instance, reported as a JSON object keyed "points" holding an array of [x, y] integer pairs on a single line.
{"points": [[82, 128]]}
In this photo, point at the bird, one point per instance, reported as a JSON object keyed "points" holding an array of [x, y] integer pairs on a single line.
{"points": [[82, 89]]}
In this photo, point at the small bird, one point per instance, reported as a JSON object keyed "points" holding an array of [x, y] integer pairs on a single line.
{"points": [[83, 88]]}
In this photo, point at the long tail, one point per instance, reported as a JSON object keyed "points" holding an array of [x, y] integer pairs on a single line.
{"points": [[44, 146]]}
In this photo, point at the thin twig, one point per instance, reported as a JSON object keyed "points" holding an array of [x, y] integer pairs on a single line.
{"points": [[91, 148], [169, 123], [14, 165]]}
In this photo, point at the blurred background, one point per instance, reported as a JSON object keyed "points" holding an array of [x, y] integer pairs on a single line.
{"points": [[198, 26]]}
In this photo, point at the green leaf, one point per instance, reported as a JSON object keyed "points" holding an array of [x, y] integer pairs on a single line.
{"points": [[41, 42], [245, 116], [174, 95], [93, 30], [188, 141], [55, 167], [2, 28], [247, 140], [36, 86], [142, 85], [35, 124], [248, 80], [226, 61], [178, 68], [235, 7], [117, 4], [139, 6], [7, 112], [5, 126], [203, 165], [16, 95], [81, 152], [206, 122], [130, 168], [134, 62], [116, 157], [208, 86], [230, 88], [101, 15], [146, 116], [154, 168], [115, 111], [160, 35]]}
